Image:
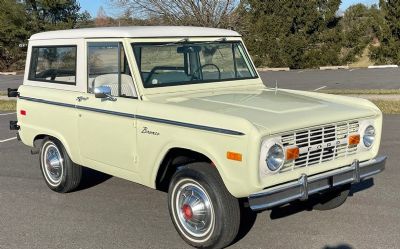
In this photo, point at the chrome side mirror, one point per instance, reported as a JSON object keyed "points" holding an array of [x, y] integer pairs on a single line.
{"points": [[103, 92]]}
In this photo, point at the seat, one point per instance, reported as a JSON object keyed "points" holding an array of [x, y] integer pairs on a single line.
{"points": [[111, 80]]}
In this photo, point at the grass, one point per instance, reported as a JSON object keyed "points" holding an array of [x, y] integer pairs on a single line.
{"points": [[2, 93], [8, 105], [362, 61], [362, 91], [388, 106]]}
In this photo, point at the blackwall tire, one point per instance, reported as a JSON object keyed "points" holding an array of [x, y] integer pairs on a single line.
{"points": [[202, 210], [59, 172]]}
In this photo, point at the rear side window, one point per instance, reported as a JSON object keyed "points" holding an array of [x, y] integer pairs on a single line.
{"points": [[54, 64]]}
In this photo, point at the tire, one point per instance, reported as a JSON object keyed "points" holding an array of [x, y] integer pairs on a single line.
{"points": [[59, 172], [215, 221], [331, 200]]}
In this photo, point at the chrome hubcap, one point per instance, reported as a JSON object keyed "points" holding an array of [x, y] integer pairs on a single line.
{"points": [[53, 164], [194, 209]]}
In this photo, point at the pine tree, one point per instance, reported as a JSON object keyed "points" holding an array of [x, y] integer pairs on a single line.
{"points": [[389, 50]]}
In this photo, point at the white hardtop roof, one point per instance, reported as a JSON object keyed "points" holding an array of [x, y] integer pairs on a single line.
{"points": [[136, 32]]}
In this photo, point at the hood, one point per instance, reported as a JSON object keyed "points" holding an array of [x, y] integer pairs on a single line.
{"points": [[274, 111]]}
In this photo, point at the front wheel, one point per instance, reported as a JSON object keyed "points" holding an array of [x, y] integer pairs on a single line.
{"points": [[204, 213]]}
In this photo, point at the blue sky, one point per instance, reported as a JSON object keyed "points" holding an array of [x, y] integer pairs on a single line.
{"points": [[347, 3], [93, 5]]}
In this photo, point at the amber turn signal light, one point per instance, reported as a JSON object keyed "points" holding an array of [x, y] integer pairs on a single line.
{"points": [[292, 153], [354, 139], [234, 156]]}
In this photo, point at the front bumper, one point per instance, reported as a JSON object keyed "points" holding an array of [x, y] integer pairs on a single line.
{"points": [[305, 186]]}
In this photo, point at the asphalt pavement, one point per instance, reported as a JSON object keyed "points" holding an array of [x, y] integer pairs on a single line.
{"points": [[387, 78], [107, 212]]}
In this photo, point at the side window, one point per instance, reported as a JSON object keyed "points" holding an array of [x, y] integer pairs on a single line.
{"points": [[108, 66], [54, 64]]}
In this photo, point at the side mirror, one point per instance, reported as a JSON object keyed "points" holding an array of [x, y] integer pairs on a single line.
{"points": [[102, 92]]}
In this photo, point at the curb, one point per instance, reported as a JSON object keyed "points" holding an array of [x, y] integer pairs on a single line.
{"points": [[334, 67], [382, 66], [8, 73], [277, 69]]}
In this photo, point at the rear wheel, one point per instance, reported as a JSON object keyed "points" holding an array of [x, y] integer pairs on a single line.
{"points": [[58, 170], [332, 199], [204, 213]]}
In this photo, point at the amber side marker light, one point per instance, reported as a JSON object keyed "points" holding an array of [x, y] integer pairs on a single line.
{"points": [[354, 139], [234, 156], [292, 153]]}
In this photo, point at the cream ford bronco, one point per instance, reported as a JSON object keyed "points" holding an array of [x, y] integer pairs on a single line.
{"points": [[183, 110]]}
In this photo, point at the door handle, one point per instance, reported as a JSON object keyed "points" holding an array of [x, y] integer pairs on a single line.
{"points": [[81, 98]]}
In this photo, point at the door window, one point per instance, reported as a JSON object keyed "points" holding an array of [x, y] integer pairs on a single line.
{"points": [[108, 66]]}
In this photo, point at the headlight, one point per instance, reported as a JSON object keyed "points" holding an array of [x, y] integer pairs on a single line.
{"points": [[369, 136], [275, 158]]}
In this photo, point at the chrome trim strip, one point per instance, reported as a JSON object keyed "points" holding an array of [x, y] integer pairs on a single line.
{"points": [[146, 118], [304, 187]]}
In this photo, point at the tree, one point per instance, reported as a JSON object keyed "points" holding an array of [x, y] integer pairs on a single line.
{"points": [[292, 33], [389, 50], [102, 19], [13, 34], [361, 25], [207, 13], [53, 14], [20, 19]]}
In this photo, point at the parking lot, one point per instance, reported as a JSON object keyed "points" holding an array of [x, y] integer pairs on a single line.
{"points": [[107, 212], [387, 78]]}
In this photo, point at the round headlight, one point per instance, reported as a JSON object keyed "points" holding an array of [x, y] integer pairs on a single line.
{"points": [[275, 158], [369, 136]]}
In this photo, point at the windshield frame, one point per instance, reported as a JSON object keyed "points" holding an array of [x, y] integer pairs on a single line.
{"points": [[249, 63]]}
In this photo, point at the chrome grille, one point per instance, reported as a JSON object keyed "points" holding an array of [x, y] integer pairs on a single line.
{"points": [[320, 144]]}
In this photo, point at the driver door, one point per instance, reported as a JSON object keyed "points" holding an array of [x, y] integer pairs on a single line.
{"points": [[107, 132]]}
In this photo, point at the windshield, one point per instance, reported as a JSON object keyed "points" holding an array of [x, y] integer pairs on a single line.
{"points": [[172, 64]]}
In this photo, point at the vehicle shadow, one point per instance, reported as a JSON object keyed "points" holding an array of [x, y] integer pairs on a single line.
{"points": [[366, 184], [299, 206], [247, 221], [289, 209], [91, 178], [248, 217], [343, 246]]}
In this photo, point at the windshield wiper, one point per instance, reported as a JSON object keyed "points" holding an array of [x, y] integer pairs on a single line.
{"points": [[184, 40]]}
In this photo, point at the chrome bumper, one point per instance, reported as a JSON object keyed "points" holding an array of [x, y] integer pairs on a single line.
{"points": [[305, 186]]}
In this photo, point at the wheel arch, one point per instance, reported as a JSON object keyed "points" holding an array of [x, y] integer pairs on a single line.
{"points": [[43, 135], [173, 158]]}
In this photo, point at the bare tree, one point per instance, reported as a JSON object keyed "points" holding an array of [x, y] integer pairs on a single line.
{"points": [[207, 13], [101, 19]]}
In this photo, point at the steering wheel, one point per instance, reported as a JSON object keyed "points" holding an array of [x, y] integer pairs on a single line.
{"points": [[155, 69], [201, 68]]}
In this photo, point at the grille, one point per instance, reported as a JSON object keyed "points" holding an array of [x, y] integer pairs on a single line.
{"points": [[320, 144]]}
